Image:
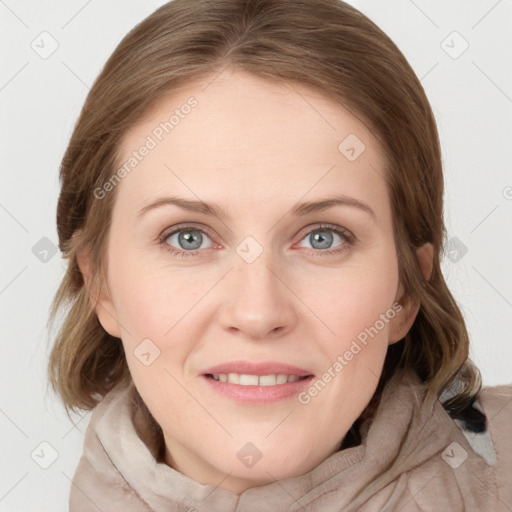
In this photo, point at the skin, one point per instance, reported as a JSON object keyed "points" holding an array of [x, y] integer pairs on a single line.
{"points": [[256, 149]]}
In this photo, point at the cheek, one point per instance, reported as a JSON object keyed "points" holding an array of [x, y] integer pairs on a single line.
{"points": [[151, 299], [148, 305], [353, 299], [163, 305], [153, 308], [357, 305]]}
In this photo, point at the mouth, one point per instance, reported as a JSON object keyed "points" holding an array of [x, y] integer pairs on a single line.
{"points": [[244, 381]]}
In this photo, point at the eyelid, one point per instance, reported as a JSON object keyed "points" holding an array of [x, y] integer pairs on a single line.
{"points": [[322, 225], [185, 226]]}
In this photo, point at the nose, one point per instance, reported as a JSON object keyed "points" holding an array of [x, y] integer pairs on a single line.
{"points": [[258, 304]]}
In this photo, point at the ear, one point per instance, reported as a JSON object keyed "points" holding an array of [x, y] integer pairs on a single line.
{"points": [[99, 295], [404, 319]]}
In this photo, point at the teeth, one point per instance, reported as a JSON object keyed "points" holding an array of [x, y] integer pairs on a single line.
{"points": [[267, 380], [255, 380], [234, 378], [248, 380]]}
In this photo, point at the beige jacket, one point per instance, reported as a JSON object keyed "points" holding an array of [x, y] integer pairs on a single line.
{"points": [[413, 457]]}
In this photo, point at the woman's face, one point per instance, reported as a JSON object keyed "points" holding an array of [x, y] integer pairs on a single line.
{"points": [[253, 234]]}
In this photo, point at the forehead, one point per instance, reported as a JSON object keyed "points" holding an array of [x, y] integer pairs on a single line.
{"points": [[237, 135]]}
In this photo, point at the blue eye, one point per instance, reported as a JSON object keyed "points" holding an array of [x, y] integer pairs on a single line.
{"points": [[323, 238], [188, 240], [185, 241]]}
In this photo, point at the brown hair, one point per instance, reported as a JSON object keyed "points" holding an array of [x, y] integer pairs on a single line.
{"points": [[324, 44]]}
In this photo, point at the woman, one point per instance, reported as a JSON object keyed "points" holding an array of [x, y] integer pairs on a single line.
{"points": [[251, 207]]}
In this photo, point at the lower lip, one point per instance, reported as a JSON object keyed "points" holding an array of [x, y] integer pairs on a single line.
{"points": [[258, 394]]}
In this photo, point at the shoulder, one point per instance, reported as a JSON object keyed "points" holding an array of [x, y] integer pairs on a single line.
{"points": [[496, 399], [496, 403]]}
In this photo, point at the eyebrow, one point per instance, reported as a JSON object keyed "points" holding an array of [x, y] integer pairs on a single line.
{"points": [[298, 210]]}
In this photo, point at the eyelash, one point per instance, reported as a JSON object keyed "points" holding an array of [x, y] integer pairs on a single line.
{"points": [[349, 237]]}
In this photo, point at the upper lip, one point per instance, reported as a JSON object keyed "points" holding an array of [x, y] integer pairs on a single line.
{"points": [[250, 368]]}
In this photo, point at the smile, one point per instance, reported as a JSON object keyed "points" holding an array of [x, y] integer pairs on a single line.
{"points": [[244, 379]]}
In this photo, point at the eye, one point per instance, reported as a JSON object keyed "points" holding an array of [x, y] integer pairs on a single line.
{"points": [[186, 241], [322, 239]]}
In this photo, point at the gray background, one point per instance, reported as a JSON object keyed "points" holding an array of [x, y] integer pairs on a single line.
{"points": [[40, 98]]}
